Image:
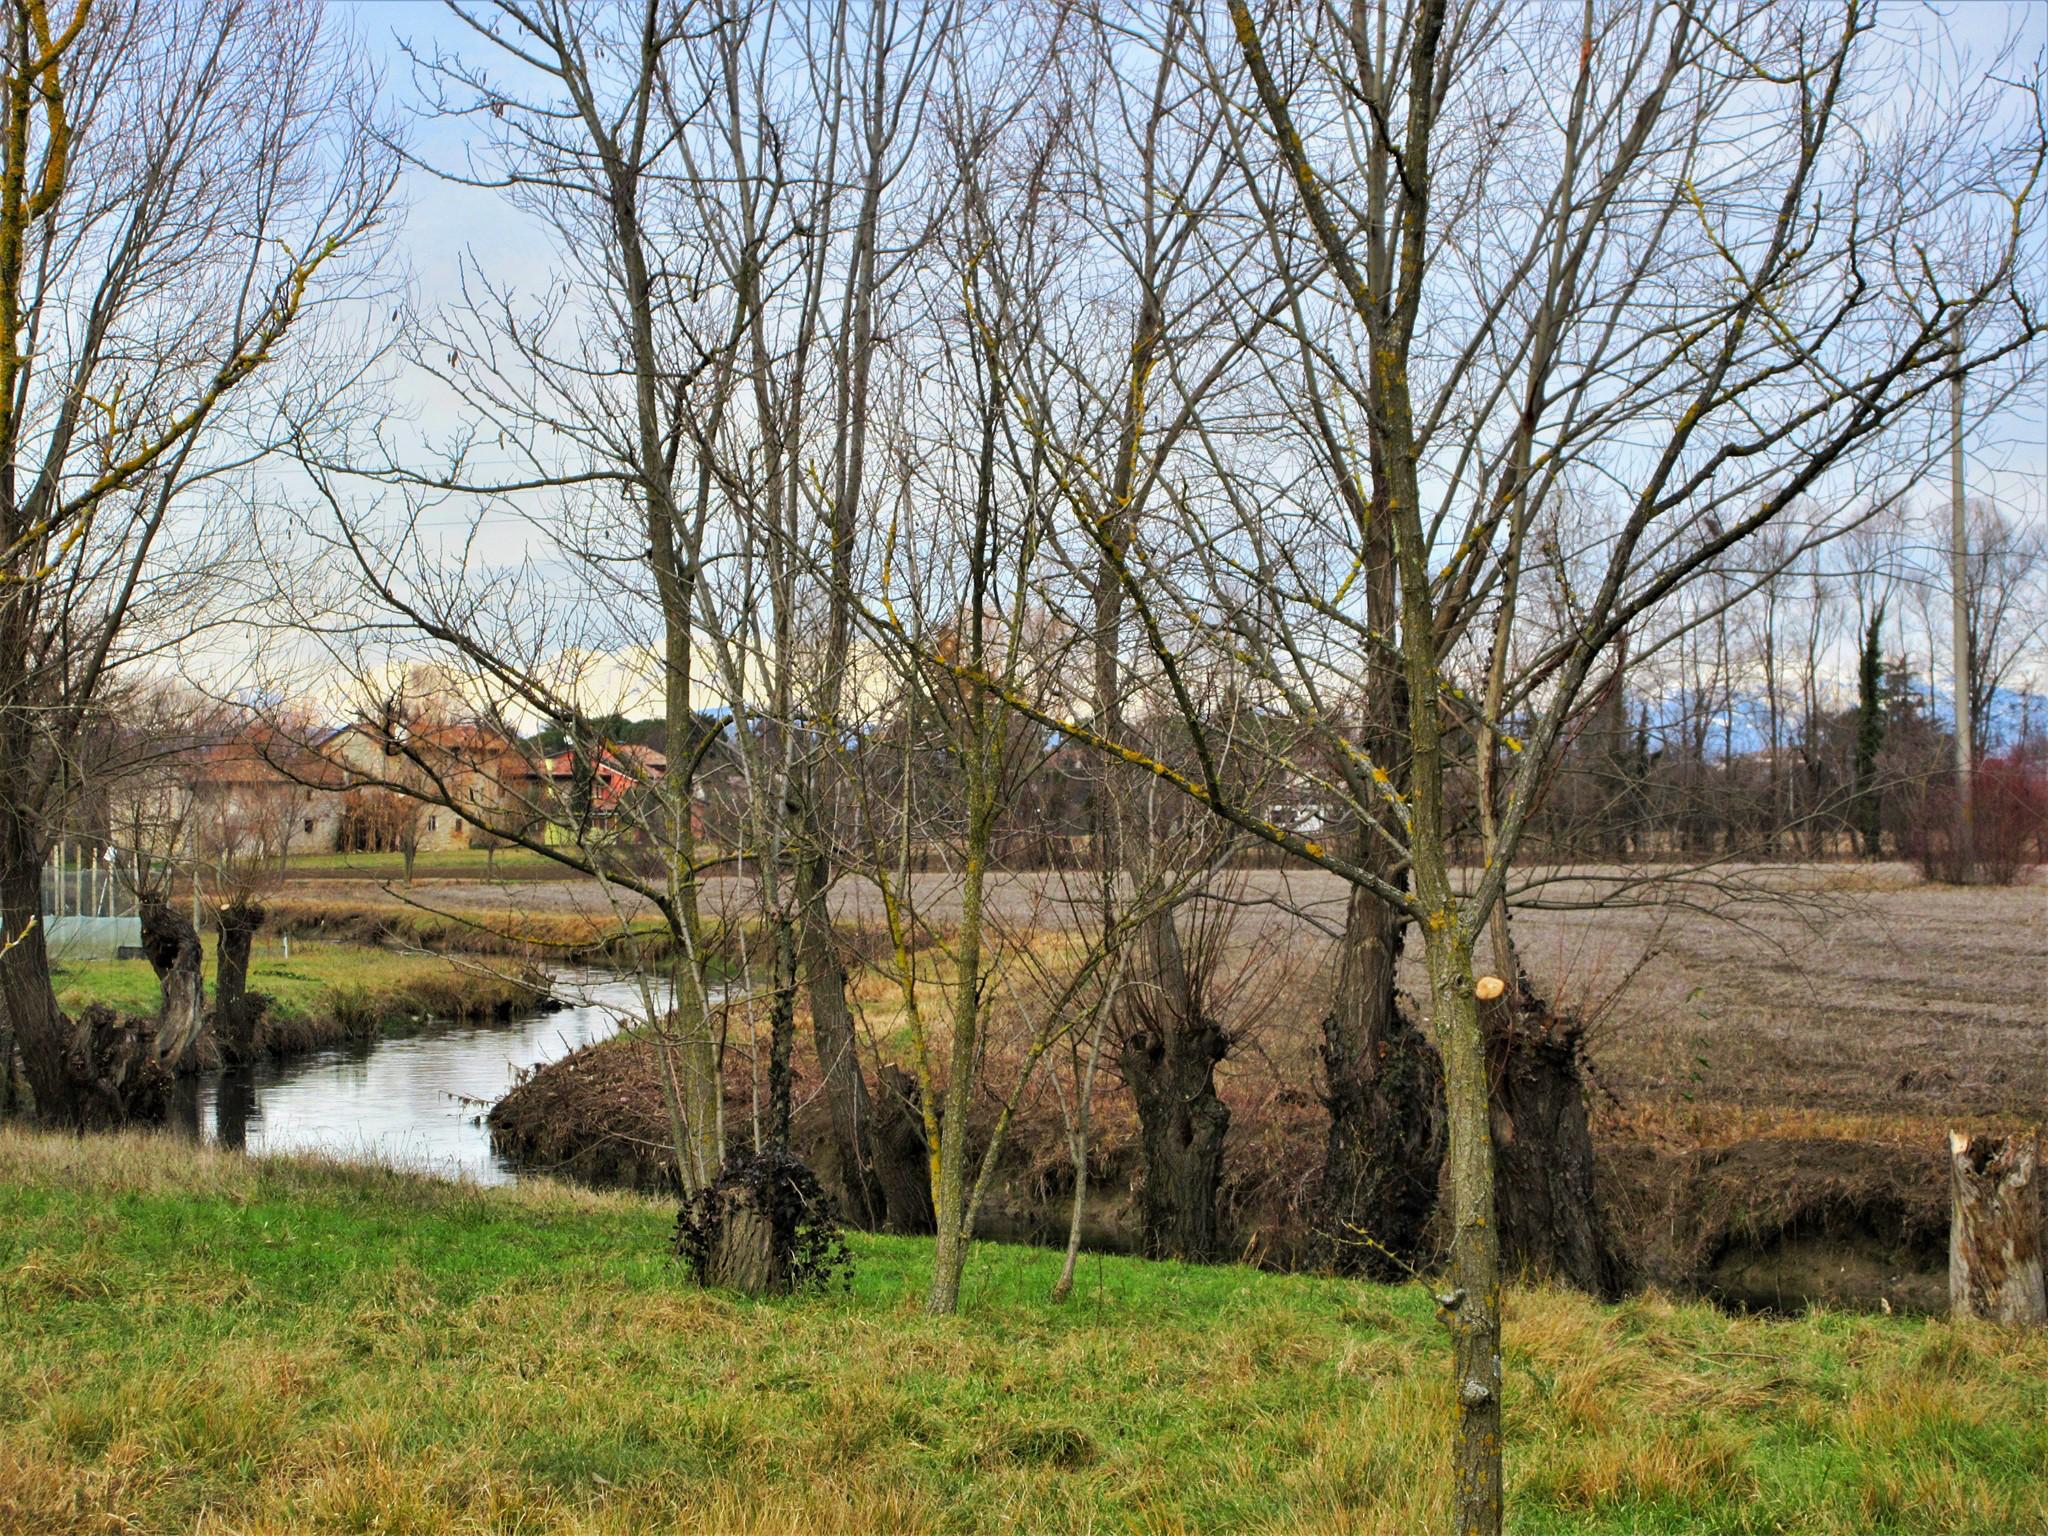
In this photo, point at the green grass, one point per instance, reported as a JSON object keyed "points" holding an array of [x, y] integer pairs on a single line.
{"points": [[198, 1342], [318, 981], [440, 864], [297, 986]]}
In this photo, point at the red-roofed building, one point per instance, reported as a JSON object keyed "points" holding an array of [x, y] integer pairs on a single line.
{"points": [[589, 792]]}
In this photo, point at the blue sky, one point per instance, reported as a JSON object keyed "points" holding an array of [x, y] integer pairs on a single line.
{"points": [[442, 221], [2008, 461]]}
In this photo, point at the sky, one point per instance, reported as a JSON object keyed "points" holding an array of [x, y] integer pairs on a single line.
{"points": [[443, 219], [443, 222]]}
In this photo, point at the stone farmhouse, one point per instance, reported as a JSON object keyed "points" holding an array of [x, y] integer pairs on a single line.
{"points": [[359, 789]]}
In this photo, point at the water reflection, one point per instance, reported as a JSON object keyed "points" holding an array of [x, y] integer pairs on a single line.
{"points": [[181, 1106], [234, 1101], [418, 1100]]}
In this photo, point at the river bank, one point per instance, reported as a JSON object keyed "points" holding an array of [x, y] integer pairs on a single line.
{"points": [[461, 917], [1773, 1219], [1760, 1137], [1751, 1146], [294, 1345], [323, 993]]}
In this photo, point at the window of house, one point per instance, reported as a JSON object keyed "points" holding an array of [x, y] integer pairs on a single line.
{"points": [[309, 823], [432, 822]]}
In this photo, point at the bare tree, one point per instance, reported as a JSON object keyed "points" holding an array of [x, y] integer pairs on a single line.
{"points": [[186, 187], [815, 223], [686, 414], [588, 388], [955, 585], [1514, 310]]}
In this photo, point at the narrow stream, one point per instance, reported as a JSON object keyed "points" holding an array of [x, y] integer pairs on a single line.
{"points": [[416, 1100]]}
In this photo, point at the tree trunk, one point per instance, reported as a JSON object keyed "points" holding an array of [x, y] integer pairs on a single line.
{"points": [[1472, 1307], [42, 1035], [1078, 1136], [782, 1032], [11, 924], [1994, 1241], [96, 1074], [861, 1194], [172, 945], [1385, 1093], [690, 1058], [1169, 1064], [1550, 1223], [746, 1257], [235, 1009], [950, 1211], [902, 1159], [1070, 1258]]}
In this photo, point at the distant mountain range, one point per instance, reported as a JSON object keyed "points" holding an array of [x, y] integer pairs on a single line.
{"points": [[2012, 712]]}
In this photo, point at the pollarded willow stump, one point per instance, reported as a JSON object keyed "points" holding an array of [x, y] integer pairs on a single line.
{"points": [[1550, 1219], [171, 944], [764, 1228], [1994, 1240], [236, 1010], [745, 1253]]}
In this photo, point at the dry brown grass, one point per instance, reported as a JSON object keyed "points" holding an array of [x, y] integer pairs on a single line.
{"points": [[1848, 990]]}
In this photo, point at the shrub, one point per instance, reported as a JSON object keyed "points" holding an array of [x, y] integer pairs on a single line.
{"points": [[2011, 831]]}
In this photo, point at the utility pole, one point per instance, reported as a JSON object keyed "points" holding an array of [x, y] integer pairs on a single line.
{"points": [[1959, 589]]}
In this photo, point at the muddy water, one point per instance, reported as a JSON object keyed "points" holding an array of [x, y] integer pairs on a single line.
{"points": [[416, 1100]]}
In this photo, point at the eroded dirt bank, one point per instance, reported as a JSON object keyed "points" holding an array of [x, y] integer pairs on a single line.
{"points": [[1775, 1066], [1774, 1222]]}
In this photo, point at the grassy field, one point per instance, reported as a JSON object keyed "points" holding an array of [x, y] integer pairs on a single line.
{"points": [[319, 988], [441, 864], [194, 1341]]}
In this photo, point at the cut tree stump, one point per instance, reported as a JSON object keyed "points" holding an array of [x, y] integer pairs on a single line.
{"points": [[903, 1164], [1994, 1239], [746, 1256], [120, 1080]]}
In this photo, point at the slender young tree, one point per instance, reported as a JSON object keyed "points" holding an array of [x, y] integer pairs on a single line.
{"points": [[1515, 308], [1869, 736]]}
